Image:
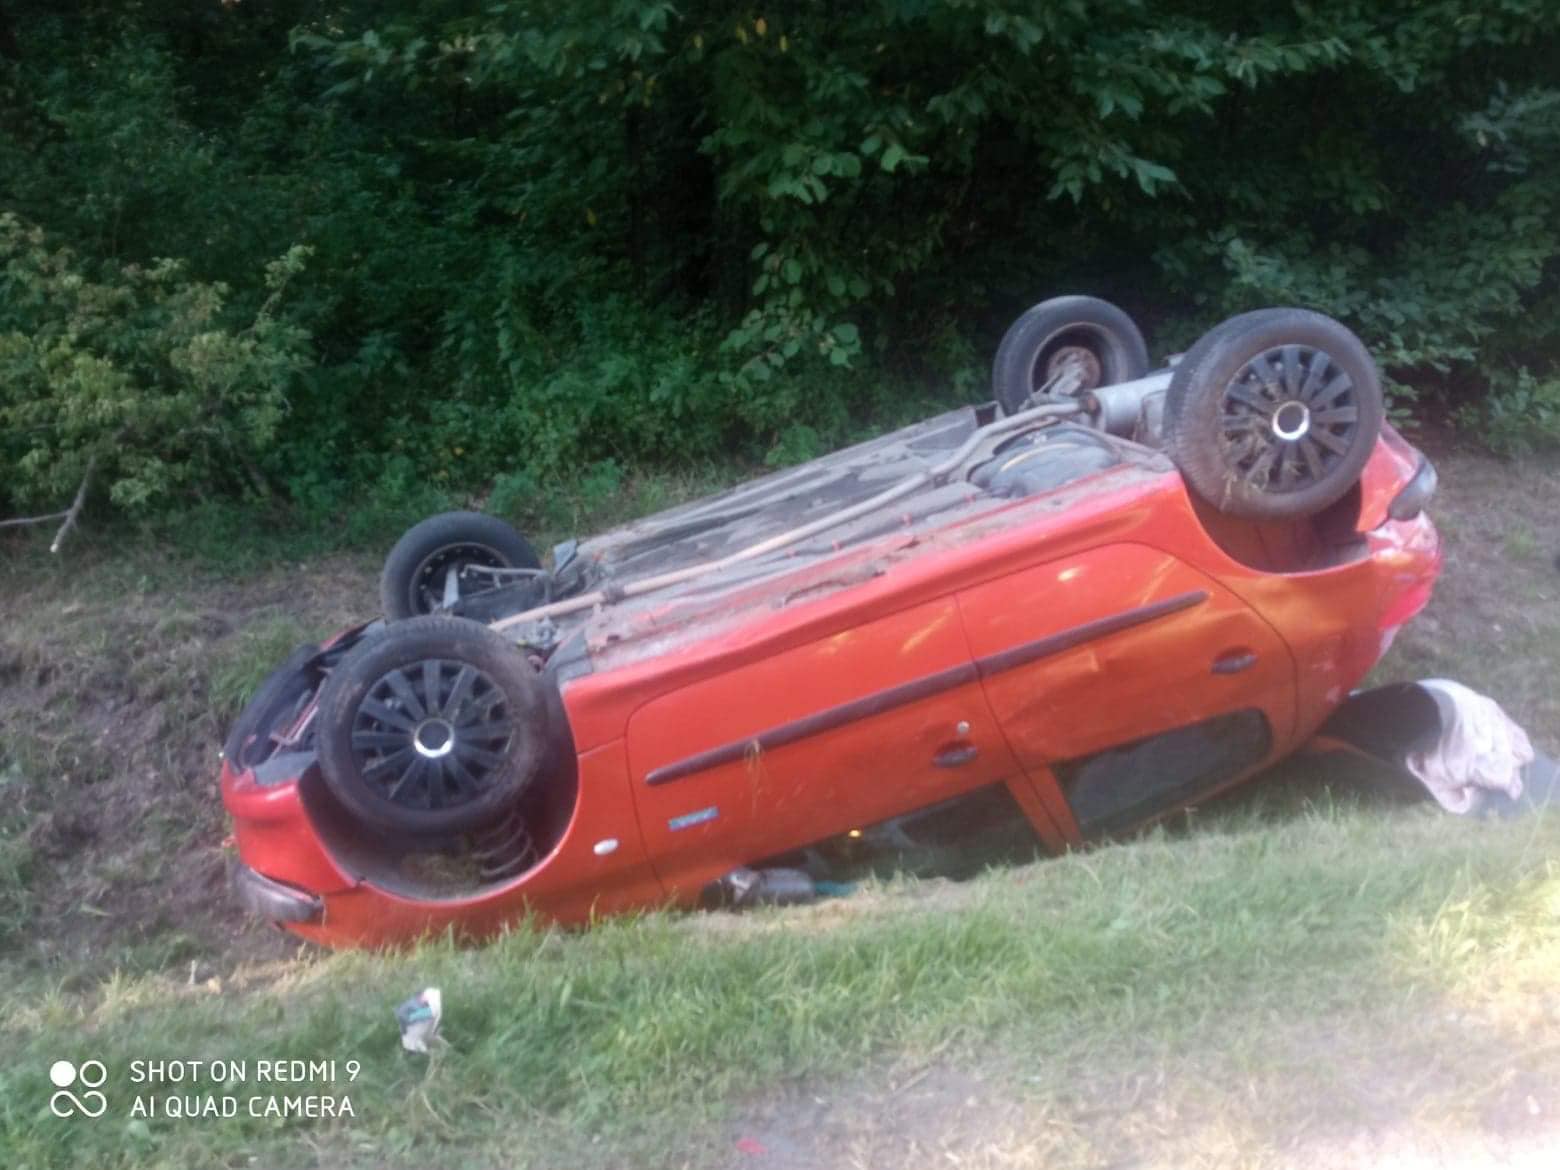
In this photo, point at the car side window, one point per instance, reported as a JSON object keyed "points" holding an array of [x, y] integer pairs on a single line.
{"points": [[1121, 786]]}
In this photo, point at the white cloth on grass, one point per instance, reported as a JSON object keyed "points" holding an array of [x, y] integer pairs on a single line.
{"points": [[1480, 748]]}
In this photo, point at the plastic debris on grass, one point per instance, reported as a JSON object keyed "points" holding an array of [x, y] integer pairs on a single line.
{"points": [[419, 1019]]}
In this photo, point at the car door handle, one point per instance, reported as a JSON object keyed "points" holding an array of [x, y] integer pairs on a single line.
{"points": [[1234, 661], [956, 756]]}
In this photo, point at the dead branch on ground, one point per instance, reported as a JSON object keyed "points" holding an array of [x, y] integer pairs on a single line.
{"points": [[68, 516]]}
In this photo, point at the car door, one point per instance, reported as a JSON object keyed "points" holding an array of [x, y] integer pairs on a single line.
{"points": [[1127, 682], [793, 747]]}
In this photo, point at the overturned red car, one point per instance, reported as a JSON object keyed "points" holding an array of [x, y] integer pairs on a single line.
{"points": [[1107, 594]]}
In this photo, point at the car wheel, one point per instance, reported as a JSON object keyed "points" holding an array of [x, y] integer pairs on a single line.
{"points": [[435, 726], [1273, 414], [432, 556], [1094, 335]]}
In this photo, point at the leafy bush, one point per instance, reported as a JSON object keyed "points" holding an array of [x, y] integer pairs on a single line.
{"points": [[1517, 416], [138, 375]]}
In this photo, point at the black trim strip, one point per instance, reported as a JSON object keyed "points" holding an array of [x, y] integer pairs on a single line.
{"points": [[922, 688], [1067, 639], [826, 720]]}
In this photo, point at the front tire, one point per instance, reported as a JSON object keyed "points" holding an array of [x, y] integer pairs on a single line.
{"points": [[435, 726], [1273, 414], [419, 566]]}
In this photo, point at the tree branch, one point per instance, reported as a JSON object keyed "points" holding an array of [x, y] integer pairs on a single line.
{"points": [[75, 507], [68, 515], [30, 520]]}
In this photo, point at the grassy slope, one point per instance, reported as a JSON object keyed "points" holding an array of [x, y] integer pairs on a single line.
{"points": [[1343, 965], [1303, 965]]}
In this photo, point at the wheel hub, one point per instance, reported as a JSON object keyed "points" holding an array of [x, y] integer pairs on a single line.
{"points": [[1291, 421], [1287, 418], [1082, 360], [436, 582], [433, 733], [434, 739]]}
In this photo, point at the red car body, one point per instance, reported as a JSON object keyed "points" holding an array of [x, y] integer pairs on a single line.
{"points": [[1056, 644]]}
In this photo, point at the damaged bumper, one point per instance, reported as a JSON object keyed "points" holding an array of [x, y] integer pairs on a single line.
{"points": [[273, 900]]}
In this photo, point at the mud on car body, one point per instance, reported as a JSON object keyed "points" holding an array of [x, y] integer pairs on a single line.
{"points": [[1106, 594]]}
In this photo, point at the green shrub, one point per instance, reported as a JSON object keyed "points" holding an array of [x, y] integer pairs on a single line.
{"points": [[139, 375], [1519, 414]]}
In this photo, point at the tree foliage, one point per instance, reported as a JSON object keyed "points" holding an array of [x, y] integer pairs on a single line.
{"points": [[543, 234]]}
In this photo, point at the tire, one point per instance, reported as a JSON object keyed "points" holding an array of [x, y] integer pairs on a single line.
{"points": [[1274, 414], [1082, 328], [412, 582], [400, 762]]}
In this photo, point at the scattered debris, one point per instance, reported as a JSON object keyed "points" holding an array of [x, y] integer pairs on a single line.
{"points": [[1466, 751], [1479, 749], [744, 887], [419, 1019]]}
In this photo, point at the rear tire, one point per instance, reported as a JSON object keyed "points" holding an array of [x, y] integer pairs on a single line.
{"points": [[435, 726], [1273, 414], [412, 582], [1105, 342]]}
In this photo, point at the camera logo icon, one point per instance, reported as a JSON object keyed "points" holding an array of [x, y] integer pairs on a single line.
{"points": [[89, 1077]]}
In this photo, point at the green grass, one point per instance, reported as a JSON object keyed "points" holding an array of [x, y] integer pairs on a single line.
{"points": [[647, 1035], [244, 665], [16, 863]]}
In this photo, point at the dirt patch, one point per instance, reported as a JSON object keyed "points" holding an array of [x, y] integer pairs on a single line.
{"points": [[1352, 1094], [935, 1115], [1494, 622], [113, 705]]}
